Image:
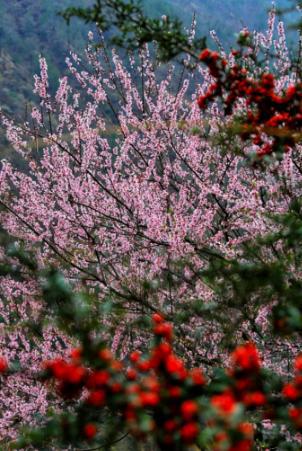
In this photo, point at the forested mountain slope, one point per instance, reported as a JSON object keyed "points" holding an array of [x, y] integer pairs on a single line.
{"points": [[31, 27]]}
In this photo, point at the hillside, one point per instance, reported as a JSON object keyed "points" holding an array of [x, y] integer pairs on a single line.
{"points": [[34, 28]]}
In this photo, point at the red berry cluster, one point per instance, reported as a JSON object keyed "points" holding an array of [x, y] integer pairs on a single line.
{"points": [[245, 373], [216, 66], [245, 388], [277, 116], [244, 433], [246, 383], [293, 393], [159, 384], [168, 388], [102, 384], [70, 377], [156, 394]]}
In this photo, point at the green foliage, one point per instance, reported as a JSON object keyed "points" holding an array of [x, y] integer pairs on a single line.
{"points": [[266, 272], [136, 28]]}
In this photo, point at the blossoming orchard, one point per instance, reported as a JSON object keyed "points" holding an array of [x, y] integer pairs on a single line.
{"points": [[151, 292]]}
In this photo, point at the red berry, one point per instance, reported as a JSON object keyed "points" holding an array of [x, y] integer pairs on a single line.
{"points": [[163, 349], [90, 430], [76, 353], [98, 378], [164, 330], [254, 399], [135, 356], [246, 429], [243, 445], [214, 56], [246, 357], [149, 399], [175, 392], [173, 364], [290, 392], [205, 54], [131, 374], [202, 102], [58, 368], [157, 318], [295, 413], [197, 376], [144, 366], [224, 403], [3, 365], [75, 374], [189, 432], [170, 425], [151, 383], [189, 409], [130, 414], [116, 387], [298, 363], [96, 398], [105, 355], [116, 365]]}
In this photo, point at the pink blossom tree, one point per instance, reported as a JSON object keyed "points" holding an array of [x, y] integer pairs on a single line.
{"points": [[129, 189]]}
